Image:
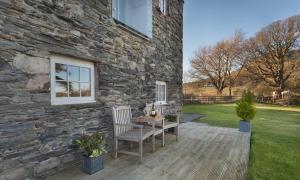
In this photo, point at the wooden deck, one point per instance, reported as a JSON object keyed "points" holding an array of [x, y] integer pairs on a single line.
{"points": [[202, 152]]}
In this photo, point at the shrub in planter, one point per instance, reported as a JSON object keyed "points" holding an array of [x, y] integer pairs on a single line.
{"points": [[94, 149], [246, 111], [247, 97], [171, 118]]}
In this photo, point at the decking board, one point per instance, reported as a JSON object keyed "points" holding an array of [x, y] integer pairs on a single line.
{"points": [[202, 152]]}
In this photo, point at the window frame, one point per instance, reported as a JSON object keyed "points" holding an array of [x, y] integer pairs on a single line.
{"points": [[57, 59], [163, 83], [164, 9]]}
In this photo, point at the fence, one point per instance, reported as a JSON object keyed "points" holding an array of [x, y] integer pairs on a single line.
{"points": [[189, 99], [209, 99], [294, 100]]}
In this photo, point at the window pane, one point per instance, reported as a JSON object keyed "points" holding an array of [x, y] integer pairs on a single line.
{"points": [[136, 14], [161, 5], [85, 89], [161, 89], [160, 92], [85, 75], [73, 73], [165, 7], [157, 93], [60, 72], [74, 89], [61, 89], [163, 93]]}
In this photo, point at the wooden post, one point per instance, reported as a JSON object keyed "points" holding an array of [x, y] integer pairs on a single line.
{"points": [[141, 146], [116, 148], [153, 137]]}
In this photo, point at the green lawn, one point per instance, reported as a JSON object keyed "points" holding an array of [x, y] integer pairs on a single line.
{"points": [[275, 141]]}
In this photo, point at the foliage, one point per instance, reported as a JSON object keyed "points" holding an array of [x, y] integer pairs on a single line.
{"points": [[270, 53], [245, 108], [171, 118], [247, 96], [93, 145], [275, 131]]}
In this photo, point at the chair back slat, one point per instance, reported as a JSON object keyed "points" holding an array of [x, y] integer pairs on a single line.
{"points": [[162, 109], [121, 115]]}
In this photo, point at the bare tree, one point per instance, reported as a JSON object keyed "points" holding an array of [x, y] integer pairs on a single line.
{"points": [[232, 49], [218, 63], [269, 52]]}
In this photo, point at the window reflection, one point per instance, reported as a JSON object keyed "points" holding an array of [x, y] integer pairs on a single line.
{"points": [[61, 72], [74, 89], [61, 89], [73, 73], [85, 75], [85, 89], [72, 81]]}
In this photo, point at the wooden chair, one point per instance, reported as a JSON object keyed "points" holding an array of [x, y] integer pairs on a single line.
{"points": [[157, 129], [125, 130], [166, 110]]}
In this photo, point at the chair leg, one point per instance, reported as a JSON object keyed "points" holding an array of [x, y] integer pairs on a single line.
{"points": [[116, 148], [141, 150], [130, 145], [163, 138], [177, 132], [153, 142]]}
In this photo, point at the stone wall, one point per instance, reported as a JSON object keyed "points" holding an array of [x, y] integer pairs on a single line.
{"points": [[36, 138]]}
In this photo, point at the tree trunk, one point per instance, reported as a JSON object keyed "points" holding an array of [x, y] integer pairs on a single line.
{"points": [[229, 90], [219, 92], [280, 90]]}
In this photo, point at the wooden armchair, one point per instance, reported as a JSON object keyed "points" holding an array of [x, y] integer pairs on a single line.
{"points": [[125, 130], [167, 110]]}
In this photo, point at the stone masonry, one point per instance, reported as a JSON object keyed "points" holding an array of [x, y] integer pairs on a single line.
{"points": [[36, 138]]}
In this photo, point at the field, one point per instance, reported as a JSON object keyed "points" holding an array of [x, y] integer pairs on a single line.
{"points": [[210, 91], [275, 141]]}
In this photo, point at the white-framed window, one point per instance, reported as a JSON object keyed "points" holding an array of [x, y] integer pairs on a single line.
{"points": [[136, 14], [72, 81], [163, 6], [161, 92]]}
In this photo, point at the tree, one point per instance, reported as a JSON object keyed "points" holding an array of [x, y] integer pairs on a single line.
{"points": [[234, 57], [221, 63], [269, 52]]}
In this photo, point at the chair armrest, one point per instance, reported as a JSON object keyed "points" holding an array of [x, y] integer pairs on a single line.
{"points": [[131, 125]]}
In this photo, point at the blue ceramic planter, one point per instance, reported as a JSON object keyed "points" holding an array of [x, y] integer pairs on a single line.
{"points": [[245, 126], [92, 165]]}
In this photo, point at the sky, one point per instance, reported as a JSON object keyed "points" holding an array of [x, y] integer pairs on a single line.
{"points": [[208, 21]]}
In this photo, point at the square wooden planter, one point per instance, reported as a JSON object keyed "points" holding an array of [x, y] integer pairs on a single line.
{"points": [[92, 165], [244, 126]]}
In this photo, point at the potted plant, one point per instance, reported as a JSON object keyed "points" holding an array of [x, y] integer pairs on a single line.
{"points": [[94, 149], [246, 111]]}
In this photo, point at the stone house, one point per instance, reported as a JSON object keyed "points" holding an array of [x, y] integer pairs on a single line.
{"points": [[65, 63]]}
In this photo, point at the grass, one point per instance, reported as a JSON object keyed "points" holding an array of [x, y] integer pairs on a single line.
{"points": [[275, 141]]}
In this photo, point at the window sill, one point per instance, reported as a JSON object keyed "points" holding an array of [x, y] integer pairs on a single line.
{"points": [[71, 102], [131, 30], [161, 103]]}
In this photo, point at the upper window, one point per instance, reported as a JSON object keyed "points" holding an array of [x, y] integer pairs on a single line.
{"points": [[72, 81], [163, 6], [136, 14], [161, 89]]}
